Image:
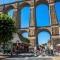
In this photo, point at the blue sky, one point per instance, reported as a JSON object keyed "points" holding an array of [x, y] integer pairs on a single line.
{"points": [[42, 18]]}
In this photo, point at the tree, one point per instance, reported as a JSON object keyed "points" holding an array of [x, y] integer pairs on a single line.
{"points": [[7, 28]]}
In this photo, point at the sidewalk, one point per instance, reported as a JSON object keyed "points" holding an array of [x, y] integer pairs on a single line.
{"points": [[53, 57], [56, 58], [1, 54], [18, 55], [2, 57]]}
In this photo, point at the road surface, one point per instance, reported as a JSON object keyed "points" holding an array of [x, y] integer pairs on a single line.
{"points": [[29, 58]]}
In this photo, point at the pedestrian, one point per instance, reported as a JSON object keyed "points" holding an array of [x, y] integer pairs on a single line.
{"points": [[17, 48]]}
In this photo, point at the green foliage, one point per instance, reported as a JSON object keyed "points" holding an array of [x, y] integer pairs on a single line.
{"points": [[6, 28]]}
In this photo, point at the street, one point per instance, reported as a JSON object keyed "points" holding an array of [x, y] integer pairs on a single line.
{"points": [[30, 58]]}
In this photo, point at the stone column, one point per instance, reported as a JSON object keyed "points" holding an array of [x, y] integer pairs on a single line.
{"points": [[53, 17], [32, 28], [17, 17], [32, 19]]}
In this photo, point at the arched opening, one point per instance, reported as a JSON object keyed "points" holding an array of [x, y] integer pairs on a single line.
{"points": [[26, 40], [42, 15], [43, 37], [25, 16], [11, 12], [25, 34], [57, 9]]}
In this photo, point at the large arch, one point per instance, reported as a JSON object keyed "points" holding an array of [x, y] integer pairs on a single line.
{"points": [[43, 37], [25, 12], [41, 2], [22, 5], [42, 15], [25, 34], [44, 29], [7, 8]]}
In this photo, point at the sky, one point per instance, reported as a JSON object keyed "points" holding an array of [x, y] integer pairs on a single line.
{"points": [[42, 18]]}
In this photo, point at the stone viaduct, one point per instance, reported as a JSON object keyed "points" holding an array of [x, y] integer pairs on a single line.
{"points": [[53, 29]]}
